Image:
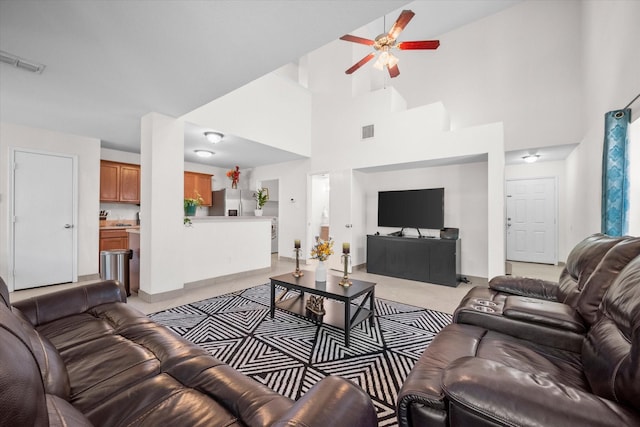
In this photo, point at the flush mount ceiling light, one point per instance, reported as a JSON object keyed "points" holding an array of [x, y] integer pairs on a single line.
{"points": [[21, 63], [213, 137], [204, 153], [530, 158]]}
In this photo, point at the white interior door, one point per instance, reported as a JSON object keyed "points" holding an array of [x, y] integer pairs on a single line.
{"points": [[43, 219], [340, 217], [531, 220]]}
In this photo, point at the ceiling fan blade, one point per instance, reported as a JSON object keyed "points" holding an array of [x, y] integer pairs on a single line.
{"points": [[401, 22], [418, 44], [360, 63], [394, 71], [356, 39]]}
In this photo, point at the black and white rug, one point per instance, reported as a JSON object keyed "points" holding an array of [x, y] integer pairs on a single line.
{"points": [[290, 354]]}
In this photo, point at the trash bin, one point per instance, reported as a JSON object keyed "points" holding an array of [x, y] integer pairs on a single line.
{"points": [[114, 265]]}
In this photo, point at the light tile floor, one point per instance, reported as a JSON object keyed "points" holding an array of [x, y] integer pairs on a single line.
{"points": [[435, 297]]}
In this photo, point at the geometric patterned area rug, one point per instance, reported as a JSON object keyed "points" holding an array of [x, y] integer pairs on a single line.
{"points": [[291, 353]]}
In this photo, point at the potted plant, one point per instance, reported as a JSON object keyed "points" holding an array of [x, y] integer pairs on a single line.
{"points": [[190, 204], [261, 196]]}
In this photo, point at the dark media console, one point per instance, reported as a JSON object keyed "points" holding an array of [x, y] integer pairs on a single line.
{"points": [[415, 258]]}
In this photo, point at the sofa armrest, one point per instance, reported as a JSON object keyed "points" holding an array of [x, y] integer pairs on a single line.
{"points": [[525, 286], [547, 313], [333, 401], [485, 392], [56, 305]]}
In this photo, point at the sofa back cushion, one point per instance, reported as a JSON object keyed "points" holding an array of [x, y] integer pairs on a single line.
{"points": [[581, 262], [611, 351], [22, 397], [603, 276], [52, 369]]}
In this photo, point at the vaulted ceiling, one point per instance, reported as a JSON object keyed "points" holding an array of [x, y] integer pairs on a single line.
{"points": [[108, 63]]}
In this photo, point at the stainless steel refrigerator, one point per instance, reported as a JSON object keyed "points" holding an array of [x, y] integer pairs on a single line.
{"points": [[232, 202]]}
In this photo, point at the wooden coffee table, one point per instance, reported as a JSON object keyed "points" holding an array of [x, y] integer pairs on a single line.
{"points": [[338, 302]]}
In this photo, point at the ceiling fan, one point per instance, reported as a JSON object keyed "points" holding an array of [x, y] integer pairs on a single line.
{"points": [[385, 42]]}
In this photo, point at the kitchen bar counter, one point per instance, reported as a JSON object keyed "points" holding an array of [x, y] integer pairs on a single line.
{"points": [[222, 246]]}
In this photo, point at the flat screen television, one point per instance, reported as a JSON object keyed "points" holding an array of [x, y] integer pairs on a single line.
{"points": [[411, 208]]}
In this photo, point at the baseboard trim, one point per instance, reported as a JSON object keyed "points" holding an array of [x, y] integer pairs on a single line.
{"points": [[215, 280], [163, 296], [88, 277]]}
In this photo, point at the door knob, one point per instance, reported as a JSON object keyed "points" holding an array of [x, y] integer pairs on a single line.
{"points": [[68, 226]]}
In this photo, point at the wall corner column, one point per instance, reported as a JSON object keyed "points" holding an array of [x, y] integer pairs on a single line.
{"points": [[161, 206]]}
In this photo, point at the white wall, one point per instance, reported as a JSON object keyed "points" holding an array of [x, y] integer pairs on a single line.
{"points": [[271, 110], [87, 151], [548, 170], [292, 178], [405, 138], [520, 67], [611, 67], [465, 205]]}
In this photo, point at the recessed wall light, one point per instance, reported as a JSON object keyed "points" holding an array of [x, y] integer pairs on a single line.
{"points": [[530, 158], [204, 153], [213, 137]]}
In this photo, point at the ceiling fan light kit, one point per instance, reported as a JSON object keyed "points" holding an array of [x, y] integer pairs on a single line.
{"points": [[383, 43], [213, 137], [21, 63]]}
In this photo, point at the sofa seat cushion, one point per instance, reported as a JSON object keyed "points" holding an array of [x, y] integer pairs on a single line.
{"points": [[162, 400], [424, 383], [550, 323], [104, 367]]}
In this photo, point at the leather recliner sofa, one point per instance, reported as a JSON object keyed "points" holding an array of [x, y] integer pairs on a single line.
{"points": [[83, 357], [473, 375], [556, 314]]}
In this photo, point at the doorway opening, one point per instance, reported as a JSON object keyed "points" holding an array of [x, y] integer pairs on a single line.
{"points": [[320, 208]]}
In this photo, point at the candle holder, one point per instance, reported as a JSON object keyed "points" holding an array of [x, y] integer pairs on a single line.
{"points": [[345, 277], [298, 272]]}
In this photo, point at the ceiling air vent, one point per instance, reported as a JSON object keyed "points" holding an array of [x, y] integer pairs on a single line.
{"points": [[22, 63], [367, 131]]}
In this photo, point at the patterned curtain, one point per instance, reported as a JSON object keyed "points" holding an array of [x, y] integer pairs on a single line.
{"points": [[615, 173]]}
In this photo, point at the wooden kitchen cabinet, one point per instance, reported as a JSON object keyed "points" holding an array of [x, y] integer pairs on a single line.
{"points": [[114, 239], [119, 182], [198, 183]]}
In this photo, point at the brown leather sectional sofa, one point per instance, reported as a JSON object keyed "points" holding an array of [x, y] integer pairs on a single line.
{"points": [[527, 352], [83, 357]]}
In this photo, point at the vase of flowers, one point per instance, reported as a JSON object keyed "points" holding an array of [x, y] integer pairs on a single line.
{"points": [[234, 176], [261, 196], [321, 251], [191, 203]]}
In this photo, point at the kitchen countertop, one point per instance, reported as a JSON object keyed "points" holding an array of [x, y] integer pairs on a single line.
{"points": [[229, 218], [130, 225]]}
